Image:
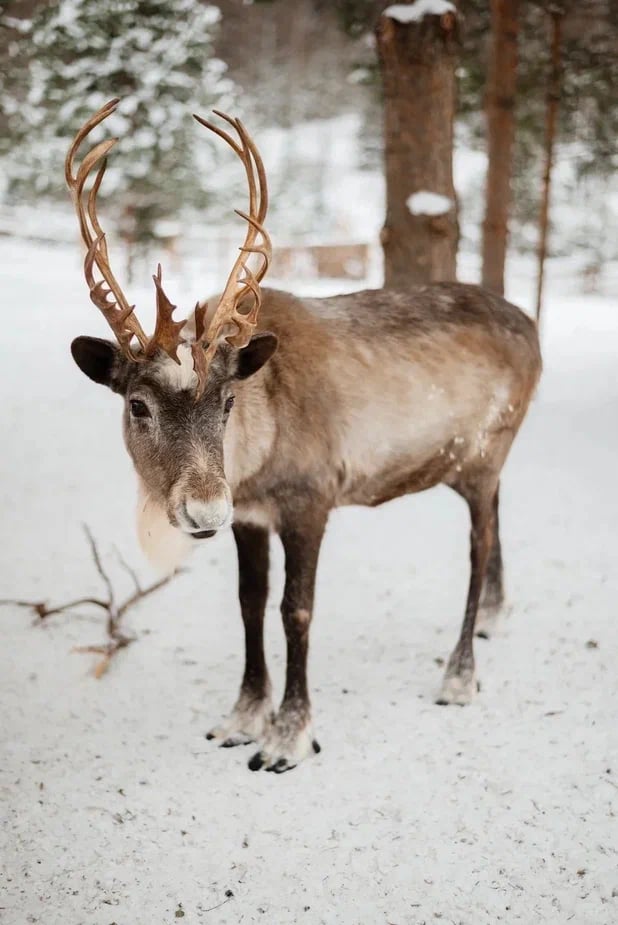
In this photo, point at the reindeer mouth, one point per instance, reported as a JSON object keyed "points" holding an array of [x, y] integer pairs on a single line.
{"points": [[203, 534]]}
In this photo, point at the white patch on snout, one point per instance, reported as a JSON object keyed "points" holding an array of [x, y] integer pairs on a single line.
{"points": [[215, 514], [165, 546]]}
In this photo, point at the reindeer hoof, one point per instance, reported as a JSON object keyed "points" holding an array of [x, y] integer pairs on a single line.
{"points": [[249, 721], [487, 620], [238, 738], [458, 689], [261, 760], [257, 761], [284, 748]]}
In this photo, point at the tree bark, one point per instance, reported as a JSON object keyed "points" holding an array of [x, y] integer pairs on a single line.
{"points": [[499, 109], [551, 118], [417, 61]]}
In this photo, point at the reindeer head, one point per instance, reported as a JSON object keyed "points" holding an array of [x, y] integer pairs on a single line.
{"points": [[178, 390]]}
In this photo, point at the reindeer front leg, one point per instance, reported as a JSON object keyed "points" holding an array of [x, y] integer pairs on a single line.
{"points": [[290, 738], [253, 713]]}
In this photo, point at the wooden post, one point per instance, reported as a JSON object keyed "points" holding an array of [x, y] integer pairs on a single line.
{"points": [[551, 118]]}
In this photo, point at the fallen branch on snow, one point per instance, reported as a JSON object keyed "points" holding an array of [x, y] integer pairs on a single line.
{"points": [[116, 638]]}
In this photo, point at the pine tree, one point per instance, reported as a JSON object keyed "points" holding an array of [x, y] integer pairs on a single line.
{"points": [[156, 55]]}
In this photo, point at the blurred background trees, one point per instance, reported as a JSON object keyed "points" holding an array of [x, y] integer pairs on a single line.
{"points": [[306, 76], [500, 98], [72, 57]]}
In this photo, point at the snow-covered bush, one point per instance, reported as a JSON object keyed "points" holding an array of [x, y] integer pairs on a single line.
{"points": [[157, 55]]}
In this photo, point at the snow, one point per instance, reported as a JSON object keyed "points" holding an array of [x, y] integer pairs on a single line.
{"points": [[426, 203], [414, 12], [116, 808]]}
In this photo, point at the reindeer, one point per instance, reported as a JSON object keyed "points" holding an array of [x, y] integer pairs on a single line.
{"points": [[354, 399]]}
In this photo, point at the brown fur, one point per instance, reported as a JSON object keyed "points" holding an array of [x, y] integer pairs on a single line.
{"points": [[328, 348], [470, 347]]}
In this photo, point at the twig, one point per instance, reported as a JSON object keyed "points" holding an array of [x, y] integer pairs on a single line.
{"points": [[99, 566], [212, 908], [145, 592], [42, 610], [107, 650], [116, 638], [123, 562]]}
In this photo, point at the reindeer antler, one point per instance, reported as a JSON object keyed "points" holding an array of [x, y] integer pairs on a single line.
{"points": [[241, 281], [117, 312], [167, 331]]}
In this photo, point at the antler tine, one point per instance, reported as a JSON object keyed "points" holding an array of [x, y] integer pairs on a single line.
{"points": [[243, 150], [127, 317], [118, 313], [259, 164], [167, 331], [265, 249], [219, 131], [86, 128], [241, 280], [92, 207]]}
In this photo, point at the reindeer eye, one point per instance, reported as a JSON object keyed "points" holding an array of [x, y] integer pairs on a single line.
{"points": [[229, 404], [139, 409]]}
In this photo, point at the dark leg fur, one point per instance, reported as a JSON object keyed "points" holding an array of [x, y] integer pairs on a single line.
{"points": [[290, 740], [253, 559], [492, 595], [252, 713], [459, 684]]}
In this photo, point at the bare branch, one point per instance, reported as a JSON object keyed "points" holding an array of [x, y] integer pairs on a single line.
{"points": [[99, 566], [125, 565], [116, 638], [145, 592], [42, 610], [107, 650]]}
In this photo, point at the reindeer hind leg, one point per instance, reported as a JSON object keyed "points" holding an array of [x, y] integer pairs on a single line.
{"points": [[460, 685], [492, 594]]}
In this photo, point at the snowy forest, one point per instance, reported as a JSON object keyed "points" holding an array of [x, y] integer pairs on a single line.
{"points": [[502, 84], [409, 148]]}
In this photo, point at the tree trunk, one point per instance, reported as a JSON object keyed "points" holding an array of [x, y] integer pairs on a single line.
{"points": [[551, 118], [499, 109], [417, 61]]}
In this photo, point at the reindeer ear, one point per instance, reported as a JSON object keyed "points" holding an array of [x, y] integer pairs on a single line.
{"points": [[257, 352], [101, 361]]}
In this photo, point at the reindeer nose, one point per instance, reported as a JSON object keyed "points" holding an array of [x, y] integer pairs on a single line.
{"points": [[204, 517]]}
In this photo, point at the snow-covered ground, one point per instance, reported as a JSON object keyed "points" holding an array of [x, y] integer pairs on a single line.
{"points": [[117, 810]]}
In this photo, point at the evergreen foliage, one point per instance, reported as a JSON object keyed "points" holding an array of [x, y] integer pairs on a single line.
{"points": [[157, 56]]}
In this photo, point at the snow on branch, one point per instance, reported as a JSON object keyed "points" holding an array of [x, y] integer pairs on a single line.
{"points": [[414, 12], [425, 203], [116, 638], [19, 25]]}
